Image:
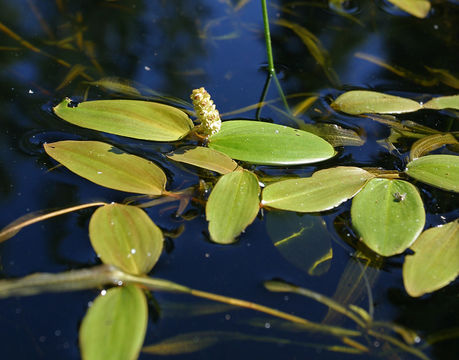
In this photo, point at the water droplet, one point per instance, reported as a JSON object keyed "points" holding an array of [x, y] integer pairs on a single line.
{"points": [[133, 251], [103, 292]]}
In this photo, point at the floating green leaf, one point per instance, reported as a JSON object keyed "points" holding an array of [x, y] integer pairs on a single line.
{"points": [[435, 262], [132, 118], [270, 144], [443, 102], [361, 101], [335, 135], [205, 158], [388, 215], [232, 206], [115, 325], [125, 236], [324, 190], [109, 166], [438, 170], [430, 143], [418, 8], [301, 239]]}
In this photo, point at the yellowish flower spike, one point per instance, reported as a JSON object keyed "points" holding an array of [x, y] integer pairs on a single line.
{"points": [[206, 112]]}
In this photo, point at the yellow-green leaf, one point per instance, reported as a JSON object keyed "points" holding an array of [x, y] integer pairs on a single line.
{"points": [[418, 8], [114, 326], [388, 215], [371, 102], [438, 170], [264, 143], [232, 205], [430, 143], [205, 158], [109, 166], [324, 190], [132, 118], [435, 262], [125, 236], [443, 102]]}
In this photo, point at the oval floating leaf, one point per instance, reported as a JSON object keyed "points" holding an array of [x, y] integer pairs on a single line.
{"points": [[388, 215], [324, 190], [109, 166], [125, 236], [438, 170], [302, 240], [132, 118], [418, 8], [269, 144], [232, 205], [205, 158], [435, 262], [371, 102], [114, 326], [443, 102]]}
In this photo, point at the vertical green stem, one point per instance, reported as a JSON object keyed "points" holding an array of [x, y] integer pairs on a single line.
{"points": [[269, 52], [269, 49]]}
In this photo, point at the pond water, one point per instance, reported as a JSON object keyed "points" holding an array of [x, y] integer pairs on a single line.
{"points": [[175, 46]]}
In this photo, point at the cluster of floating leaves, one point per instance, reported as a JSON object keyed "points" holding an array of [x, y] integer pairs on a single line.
{"points": [[387, 211]]}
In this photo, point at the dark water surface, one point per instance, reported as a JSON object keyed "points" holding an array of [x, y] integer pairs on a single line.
{"points": [[173, 47]]}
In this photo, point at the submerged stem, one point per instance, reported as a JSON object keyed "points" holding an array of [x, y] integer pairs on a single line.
{"points": [[332, 330], [110, 275], [29, 219]]}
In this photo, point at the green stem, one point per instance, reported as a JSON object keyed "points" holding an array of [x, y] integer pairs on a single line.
{"points": [[269, 49], [269, 52]]}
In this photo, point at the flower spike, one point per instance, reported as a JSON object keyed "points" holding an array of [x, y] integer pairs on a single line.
{"points": [[206, 112]]}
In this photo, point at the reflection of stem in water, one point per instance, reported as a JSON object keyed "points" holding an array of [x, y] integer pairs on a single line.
{"points": [[33, 48]]}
